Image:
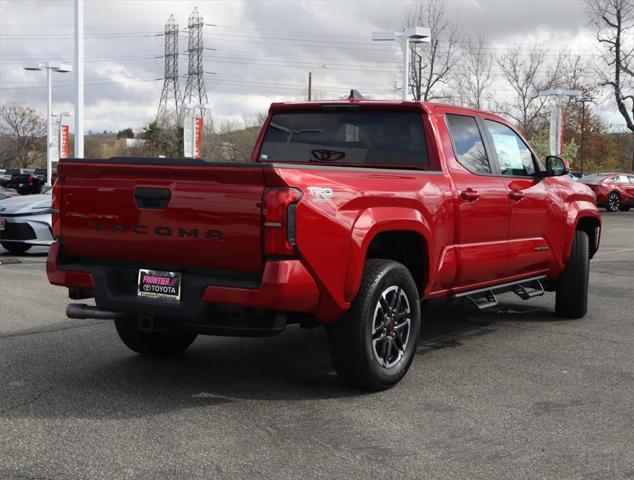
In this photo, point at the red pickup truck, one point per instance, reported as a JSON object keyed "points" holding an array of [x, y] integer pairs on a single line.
{"points": [[349, 215]]}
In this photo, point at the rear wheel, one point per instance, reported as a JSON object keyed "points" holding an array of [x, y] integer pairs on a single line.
{"points": [[373, 346], [614, 202], [152, 343], [17, 248], [572, 286]]}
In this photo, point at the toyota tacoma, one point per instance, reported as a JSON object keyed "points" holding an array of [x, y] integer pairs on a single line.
{"points": [[350, 214]]}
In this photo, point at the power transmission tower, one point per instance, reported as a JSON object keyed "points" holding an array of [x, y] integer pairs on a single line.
{"points": [[195, 90], [168, 113]]}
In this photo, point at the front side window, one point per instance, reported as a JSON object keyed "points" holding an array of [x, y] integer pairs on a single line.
{"points": [[346, 138], [468, 144], [514, 156]]}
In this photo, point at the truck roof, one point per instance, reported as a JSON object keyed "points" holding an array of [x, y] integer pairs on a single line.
{"points": [[428, 107]]}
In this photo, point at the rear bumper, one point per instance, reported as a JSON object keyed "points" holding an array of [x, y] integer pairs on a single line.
{"points": [[285, 286]]}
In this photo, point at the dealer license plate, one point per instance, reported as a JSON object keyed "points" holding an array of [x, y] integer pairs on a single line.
{"points": [[156, 284]]}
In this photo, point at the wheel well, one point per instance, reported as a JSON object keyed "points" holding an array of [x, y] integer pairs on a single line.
{"points": [[590, 225], [406, 247]]}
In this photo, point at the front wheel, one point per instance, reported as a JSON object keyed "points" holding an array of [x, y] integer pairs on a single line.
{"points": [[614, 202], [373, 346], [17, 248], [152, 343], [572, 286]]}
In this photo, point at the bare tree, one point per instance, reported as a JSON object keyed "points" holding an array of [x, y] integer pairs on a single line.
{"points": [[613, 21], [432, 63], [22, 136], [476, 75], [527, 74]]}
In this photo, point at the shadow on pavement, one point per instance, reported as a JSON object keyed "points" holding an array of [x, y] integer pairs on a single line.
{"points": [[86, 372]]}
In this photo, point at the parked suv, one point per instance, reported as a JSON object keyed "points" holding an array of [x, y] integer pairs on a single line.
{"points": [[349, 215]]}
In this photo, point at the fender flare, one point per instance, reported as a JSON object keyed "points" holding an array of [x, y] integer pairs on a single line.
{"points": [[370, 223], [577, 212]]}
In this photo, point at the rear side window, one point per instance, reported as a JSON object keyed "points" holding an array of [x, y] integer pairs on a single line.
{"points": [[468, 144], [346, 138]]}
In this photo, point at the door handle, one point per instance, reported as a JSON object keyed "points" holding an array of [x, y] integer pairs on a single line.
{"points": [[516, 195], [470, 195], [152, 198]]}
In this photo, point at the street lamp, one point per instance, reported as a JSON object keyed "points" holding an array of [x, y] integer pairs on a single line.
{"points": [[407, 36], [49, 67]]}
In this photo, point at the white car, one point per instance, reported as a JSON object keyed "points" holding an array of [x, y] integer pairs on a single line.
{"points": [[25, 221]]}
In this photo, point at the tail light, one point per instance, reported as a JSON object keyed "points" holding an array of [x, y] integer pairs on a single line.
{"points": [[278, 215], [56, 205]]}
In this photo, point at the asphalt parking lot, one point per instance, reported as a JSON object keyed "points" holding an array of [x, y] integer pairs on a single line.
{"points": [[512, 393]]}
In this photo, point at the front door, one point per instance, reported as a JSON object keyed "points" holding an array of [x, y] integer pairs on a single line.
{"points": [[535, 223]]}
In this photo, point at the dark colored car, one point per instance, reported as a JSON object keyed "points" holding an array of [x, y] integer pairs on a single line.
{"points": [[614, 191], [7, 176], [26, 183], [41, 173], [348, 216]]}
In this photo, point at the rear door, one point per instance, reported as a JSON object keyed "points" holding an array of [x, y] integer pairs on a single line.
{"points": [[535, 221], [483, 204]]}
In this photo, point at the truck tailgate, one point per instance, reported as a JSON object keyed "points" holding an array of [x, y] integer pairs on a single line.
{"points": [[174, 215]]}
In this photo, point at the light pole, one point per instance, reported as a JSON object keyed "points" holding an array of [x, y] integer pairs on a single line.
{"points": [[49, 67], [407, 36], [79, 78], [583, 100]]}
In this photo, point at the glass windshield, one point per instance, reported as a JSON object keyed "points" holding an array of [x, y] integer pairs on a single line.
{"points": [[346, 138]]}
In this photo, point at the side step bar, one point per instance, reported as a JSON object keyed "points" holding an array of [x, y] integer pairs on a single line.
{"points": [[526, 289]]}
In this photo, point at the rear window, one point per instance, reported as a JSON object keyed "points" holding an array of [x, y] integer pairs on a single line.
{"points": [[346, 138]]}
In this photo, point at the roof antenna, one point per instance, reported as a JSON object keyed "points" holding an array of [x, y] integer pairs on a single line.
{"points": [[355, 95]]}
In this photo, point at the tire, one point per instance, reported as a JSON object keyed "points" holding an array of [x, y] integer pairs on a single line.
{"points": [[379, 361], [572, 286], [613, 202], [17, 248], [152, 343]]}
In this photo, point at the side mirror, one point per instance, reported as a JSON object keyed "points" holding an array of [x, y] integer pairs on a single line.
{"points": [[555, 166]]}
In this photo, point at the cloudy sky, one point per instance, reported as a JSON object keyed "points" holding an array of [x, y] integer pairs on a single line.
{"points": [[264, 49]]}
